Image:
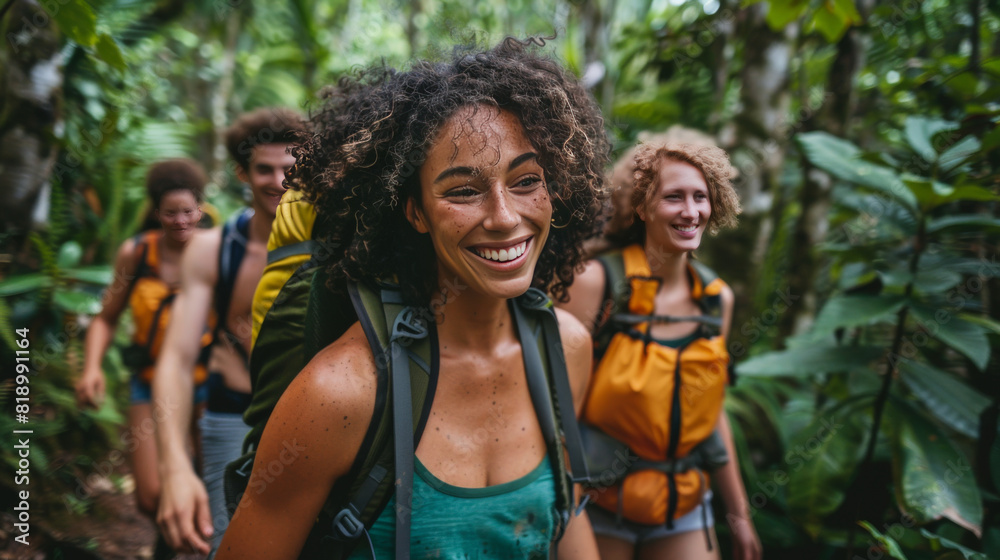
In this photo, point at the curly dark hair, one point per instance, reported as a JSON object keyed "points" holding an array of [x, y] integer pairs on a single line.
{"points": [[267, 125], [362, 160], [180, 174], [712, 161]]}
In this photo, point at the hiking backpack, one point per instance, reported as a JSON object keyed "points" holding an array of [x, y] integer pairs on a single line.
{"points": [[404, 343], [150, 300], [653, 406]]}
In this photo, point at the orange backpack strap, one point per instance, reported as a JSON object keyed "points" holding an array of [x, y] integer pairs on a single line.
{"points": [[644, 285]]}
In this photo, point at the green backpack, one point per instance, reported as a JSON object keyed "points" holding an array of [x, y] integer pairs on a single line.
{"points": [[302, 321]]}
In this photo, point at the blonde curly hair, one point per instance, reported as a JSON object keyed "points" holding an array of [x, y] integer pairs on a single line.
{"points": [[712, 161]]}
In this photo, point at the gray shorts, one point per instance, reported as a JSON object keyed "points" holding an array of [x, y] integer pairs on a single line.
{"points": [[605, 524], [222, 436]]}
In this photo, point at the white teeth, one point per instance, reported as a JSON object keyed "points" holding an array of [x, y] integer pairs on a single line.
{"points": [[503, 255], [686, 228]]}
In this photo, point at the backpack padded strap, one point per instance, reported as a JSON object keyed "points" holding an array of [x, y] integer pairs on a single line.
{"points": [[537, 385], [629, 319], [402, 425], [301, 248], [232, 248], [564, 399]]}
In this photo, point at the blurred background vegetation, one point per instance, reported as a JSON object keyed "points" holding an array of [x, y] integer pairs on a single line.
{"points": [[866, 264]]}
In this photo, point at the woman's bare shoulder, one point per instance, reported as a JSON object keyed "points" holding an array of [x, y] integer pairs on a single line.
{"points": [[343, 373]]}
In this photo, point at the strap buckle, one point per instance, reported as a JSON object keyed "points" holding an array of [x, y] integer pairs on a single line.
{"points": [[409, 324], [347, 524], [534, 299]]}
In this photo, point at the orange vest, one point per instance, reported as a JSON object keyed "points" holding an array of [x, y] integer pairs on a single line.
{"points": [[150, 300], [658, 400]]}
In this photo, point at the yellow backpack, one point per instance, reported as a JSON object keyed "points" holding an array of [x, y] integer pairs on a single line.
{"points": [[288, 248], [662, 403]]}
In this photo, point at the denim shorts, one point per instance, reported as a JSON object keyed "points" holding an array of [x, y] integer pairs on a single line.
{"points": [[605, 524], [142, 392]]}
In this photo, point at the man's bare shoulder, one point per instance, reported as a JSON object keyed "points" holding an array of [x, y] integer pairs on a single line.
{"points": [[201, 255], [205, 242]]}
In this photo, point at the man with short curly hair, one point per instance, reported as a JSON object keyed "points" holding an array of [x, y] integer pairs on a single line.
{"points": [[219, 272]]}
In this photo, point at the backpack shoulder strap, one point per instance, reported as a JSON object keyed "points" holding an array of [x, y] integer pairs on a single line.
{"points": [[548, 384], [143, 244], [616, 296], [403, 340], [709, 297], [706, 289], [232, 249]]}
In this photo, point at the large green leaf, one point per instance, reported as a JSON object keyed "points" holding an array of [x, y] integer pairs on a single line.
{"points": [[77, 302], [782, 12], [24, 283], [810, 360], [822, 459], [933, 479], [833, 18], [888, 543], [76, 19], [938, 542], [853, 311], [920, 132], [990, 324], [928, 280], [971, 222], [101, 275], [947, 396], [843, 160], [109, 51], [931, 194], [945, 325], [959, 153]]}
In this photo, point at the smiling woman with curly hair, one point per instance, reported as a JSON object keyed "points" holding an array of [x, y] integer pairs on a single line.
{"points": [[468, 182], [373, 136]]}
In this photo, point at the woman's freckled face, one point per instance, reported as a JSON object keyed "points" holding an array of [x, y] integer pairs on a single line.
{"points": [[484, 202]]}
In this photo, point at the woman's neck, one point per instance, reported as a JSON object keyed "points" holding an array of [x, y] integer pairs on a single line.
{"points": [[671, 267], [173, 245], [470, 321]]}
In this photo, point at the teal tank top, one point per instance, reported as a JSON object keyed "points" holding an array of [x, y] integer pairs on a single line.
{"points": [[516, 519]]}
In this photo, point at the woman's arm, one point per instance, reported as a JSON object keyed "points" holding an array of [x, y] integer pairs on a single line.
{"points": [[578, 541], [90, 387], [310, 441], [746, 543]]}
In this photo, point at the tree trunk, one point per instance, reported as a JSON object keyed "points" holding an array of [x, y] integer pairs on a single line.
{"points": [[764, 101], [222, 94], [31, 94], [756, 141], [834, 116]]}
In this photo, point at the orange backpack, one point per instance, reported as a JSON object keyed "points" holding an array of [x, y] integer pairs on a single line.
{"points": [[150, 299], [662, 403]]}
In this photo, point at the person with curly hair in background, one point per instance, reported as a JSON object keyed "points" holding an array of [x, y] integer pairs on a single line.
{"points": [[147, 277], [469, 182], [660, 319]]}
